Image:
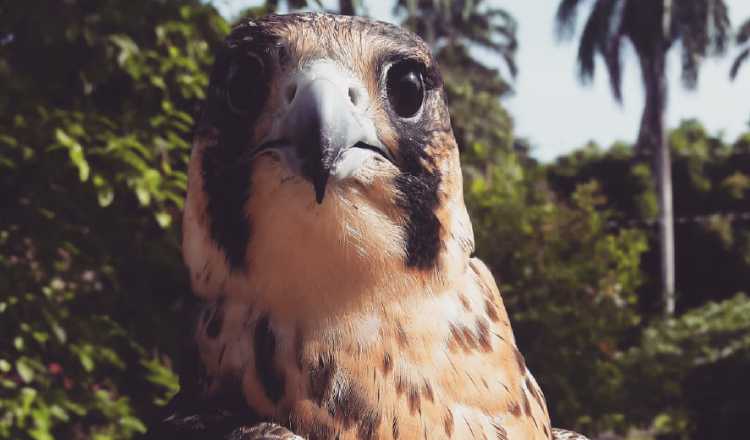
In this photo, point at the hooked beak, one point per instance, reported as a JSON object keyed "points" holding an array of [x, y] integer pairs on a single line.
{"points": [[324, 121]]}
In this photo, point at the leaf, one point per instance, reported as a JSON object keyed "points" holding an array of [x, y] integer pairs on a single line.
{"points": [[163, 218], [127, 47], [59, 333], [144, 197], [28, 395], [75, 153], [24, 370], [86, 361], [133, 424]]}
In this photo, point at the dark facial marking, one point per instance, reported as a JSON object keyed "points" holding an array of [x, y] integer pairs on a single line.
{"points": [[418, 197], [265, 348], [226, 183], [242, 68], [419, 180], [394, 428]]}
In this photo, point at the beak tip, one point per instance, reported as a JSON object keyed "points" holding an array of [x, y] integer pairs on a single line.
{"points": [[320, 188]]}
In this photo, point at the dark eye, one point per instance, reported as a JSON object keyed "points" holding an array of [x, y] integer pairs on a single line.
{"points": [[246, 84], [405, 85]]}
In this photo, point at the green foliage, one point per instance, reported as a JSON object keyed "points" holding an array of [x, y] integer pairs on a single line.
{"points": [[687, 372], [569, 284], [684, 376], [474, 89], [95, 140], [712, 177], [95, 123]]}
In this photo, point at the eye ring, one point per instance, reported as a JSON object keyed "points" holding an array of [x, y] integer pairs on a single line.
{"points": [[405, 87], [246, 84]]}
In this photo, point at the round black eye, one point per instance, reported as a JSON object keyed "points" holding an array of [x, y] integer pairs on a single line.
{"points": [[405, 84], [246, 84]]}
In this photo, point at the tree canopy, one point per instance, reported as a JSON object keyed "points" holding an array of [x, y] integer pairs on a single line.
{"points": [[95, 128]]}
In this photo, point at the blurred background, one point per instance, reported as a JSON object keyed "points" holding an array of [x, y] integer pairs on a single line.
{"points": [[577, 121]]}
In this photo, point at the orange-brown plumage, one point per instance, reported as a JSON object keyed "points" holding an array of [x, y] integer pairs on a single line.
{"points": [[340, 296]]}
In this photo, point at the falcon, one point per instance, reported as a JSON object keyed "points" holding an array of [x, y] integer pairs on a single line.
{"points": [[327, 239]]}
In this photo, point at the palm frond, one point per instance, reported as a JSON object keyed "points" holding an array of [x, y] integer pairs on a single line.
{"points": [[703, 28], [566, 18], [510, 61], [743, 34], [722, 26], [691, 60], [612, 52], [595, 37], [741, 58], [612, 60], [447, 22]]}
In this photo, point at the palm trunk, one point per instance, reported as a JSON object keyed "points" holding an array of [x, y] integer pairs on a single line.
{"points": [[653, 139], [663, 167]]}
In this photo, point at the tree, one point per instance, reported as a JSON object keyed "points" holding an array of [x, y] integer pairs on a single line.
{"points": [[466, 22], [482, 126], [743, 40], [95, 126], [653, 28]]}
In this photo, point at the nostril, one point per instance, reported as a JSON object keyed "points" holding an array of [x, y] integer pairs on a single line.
{"points": [[291, 92], [354, 95]]}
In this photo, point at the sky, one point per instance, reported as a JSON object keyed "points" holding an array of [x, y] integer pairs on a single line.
{"points": [[557, 113]]}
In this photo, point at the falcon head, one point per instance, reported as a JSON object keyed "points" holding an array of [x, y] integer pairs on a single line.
{"points": [[323, 166]]}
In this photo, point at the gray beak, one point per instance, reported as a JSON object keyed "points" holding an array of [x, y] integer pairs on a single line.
{"points": [[326, 117], [323, 127]]}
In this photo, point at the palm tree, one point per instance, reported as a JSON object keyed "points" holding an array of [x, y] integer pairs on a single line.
{"points": [[743, 40], [652, 27], [444, 23], [451, 28]]}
